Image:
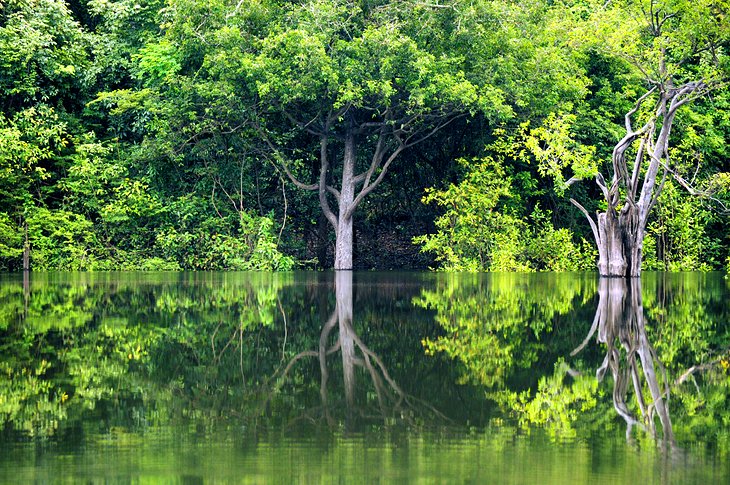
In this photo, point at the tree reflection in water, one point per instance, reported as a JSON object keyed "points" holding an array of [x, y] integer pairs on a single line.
{"points": [[118, 350], [620, 325], [513, 335], [393, 404]]}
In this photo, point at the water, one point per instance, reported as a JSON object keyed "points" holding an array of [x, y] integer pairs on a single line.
{"points": [[364, 378]]}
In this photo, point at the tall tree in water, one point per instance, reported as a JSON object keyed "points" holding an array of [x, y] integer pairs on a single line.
{"points": [[331, 92], [676, 51], [359, 80]]}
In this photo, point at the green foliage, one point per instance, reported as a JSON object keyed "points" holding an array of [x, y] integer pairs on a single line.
{"points": [[11, 238], [28, 141], [147, 131], [680, 233], [253, 247], [555, 149], [43, 53], [33, 144], [550, 249], [90, 344], [60, 240], [480, 231], [556, 405], [474, 234]]}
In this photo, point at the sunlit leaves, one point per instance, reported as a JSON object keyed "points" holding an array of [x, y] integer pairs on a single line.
{"points": [[43, 51], [555, 150], [475, 233], [481, 231], [157, 62], [680, 231]]}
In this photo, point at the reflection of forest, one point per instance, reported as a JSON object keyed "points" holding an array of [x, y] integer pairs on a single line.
{"points": [[138, 349], [512, 334], [500, 326], [205, 345], [119, 345]]}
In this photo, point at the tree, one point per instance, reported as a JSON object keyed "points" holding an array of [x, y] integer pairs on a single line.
{"points": [[676, 51], [355, 80]]}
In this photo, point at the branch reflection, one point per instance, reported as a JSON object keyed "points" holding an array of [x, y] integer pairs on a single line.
{"points": [[620, 325], [384, 401]]}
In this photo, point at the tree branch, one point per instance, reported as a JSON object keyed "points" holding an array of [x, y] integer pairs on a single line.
{"points": [[695, 368], [376, 160], [689, 188], [323, 187], [594, 227], [282, 161], [637, 105], [685, 94], [366, 190], [408, 143], [599, 310], [601, 182], [637, 166]]}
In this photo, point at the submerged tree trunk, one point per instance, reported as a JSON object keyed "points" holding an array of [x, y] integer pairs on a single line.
{"points": [[621, 243], [344, 227]]}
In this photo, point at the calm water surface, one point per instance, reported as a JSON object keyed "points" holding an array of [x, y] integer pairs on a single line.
{"points": [[364, 378]]}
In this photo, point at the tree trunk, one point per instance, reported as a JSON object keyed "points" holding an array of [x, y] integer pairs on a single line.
{"points": [[343, 290], [322, 354], [620, 243], [343, 244]]}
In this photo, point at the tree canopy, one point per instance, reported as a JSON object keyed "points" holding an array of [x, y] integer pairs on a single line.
{"points": [[179, 134]]}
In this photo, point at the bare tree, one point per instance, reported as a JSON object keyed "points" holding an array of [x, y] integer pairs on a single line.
{"points": [[635, 186], [676, 50]]}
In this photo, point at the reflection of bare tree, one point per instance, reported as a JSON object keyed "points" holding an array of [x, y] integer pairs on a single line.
{"points": [[392, 401], [620, 324]]}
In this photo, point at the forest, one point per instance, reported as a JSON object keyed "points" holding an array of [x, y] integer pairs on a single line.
{"points": [[460, 135]]}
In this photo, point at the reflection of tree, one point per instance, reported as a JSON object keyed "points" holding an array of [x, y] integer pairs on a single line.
{"points": [[683, 316], [392, 402], [620, 324], [71, 344]]}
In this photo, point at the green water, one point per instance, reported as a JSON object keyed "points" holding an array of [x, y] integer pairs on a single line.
{"points": [[364, 378]]}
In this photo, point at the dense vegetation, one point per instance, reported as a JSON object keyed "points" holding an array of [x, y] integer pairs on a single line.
{"points": [[178, 134]]}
